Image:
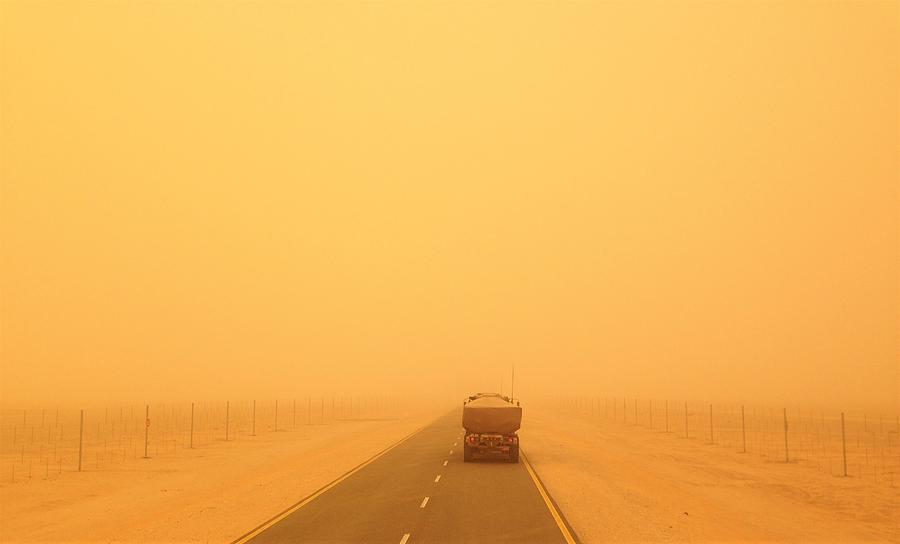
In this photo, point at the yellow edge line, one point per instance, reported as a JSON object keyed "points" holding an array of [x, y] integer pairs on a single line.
{"points": [[553, 511], [255, 532]]}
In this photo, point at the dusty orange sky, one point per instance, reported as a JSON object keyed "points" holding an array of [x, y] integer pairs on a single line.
{"points": [[214, 198]]}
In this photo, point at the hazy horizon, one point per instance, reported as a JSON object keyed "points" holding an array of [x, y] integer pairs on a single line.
{"points": [[215, 201]]}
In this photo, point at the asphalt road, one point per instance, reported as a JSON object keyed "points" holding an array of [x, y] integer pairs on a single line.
{"points": [[385, 501]]}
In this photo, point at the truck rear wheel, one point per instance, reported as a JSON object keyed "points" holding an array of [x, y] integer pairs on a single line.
{"points": [[467, 454], [514, 454]]}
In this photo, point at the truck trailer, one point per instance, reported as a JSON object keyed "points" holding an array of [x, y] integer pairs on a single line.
{"points": [[491, 421]]}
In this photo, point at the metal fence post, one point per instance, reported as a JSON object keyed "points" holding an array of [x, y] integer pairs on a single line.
{"points": [[844, 443], [81, 441], [147, 431], [787, 458], [743, 430], [667, 416]]}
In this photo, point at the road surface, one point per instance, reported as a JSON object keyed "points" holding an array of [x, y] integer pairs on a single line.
{"points": [[420, 491]]}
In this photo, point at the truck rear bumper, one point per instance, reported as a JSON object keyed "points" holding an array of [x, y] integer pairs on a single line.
{"points": [[488, 450], [490, 445]]}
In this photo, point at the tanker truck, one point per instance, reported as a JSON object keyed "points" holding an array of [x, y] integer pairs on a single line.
{"points": [[491, 422]]}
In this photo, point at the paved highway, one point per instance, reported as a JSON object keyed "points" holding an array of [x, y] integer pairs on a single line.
{"points": [[420, 491]]}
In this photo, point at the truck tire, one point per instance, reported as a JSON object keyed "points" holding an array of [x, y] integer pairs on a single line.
{"points": [[514, 454], [467, 454]]}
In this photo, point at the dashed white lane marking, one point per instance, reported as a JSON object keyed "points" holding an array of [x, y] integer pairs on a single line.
{"points": [[451, 452], [437, 478], [445, 463], [424, 502], [404, 539], [454, 443]]}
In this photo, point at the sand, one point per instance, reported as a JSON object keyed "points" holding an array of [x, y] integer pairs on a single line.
{"points": [[621, 483], [211, 494], [613, 481]]}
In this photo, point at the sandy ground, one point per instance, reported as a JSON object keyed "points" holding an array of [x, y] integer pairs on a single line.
{"points": [[212, 494], [617, 482]]}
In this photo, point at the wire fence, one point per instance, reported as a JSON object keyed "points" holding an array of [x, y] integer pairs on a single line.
{"points": [[845, 444], [48, 443]]}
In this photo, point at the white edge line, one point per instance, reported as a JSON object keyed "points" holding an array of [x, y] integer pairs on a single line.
{"points": [[252, 534]]}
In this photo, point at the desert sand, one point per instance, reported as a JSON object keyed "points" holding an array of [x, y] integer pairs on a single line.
{"points": [[621, 483], [211, 494], [613, 481]]}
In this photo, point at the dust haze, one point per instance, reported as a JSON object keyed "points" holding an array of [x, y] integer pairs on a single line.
{"points": [[206, 201], [256, 253]]}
